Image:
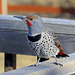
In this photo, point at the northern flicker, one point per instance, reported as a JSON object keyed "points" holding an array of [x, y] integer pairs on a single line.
{"points": [[41, 40]]}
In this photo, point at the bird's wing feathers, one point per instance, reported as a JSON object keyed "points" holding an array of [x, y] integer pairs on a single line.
{"points": [[57, 44]]}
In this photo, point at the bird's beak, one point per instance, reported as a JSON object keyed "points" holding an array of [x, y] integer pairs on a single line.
{"points": [[23, 18], [20, 17]]}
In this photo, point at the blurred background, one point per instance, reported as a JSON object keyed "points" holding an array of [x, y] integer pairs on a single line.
{"points": [[64, 9], [44, 8]]}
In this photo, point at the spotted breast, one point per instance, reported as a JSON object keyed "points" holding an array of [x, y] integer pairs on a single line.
{"points": [[43, 44]]}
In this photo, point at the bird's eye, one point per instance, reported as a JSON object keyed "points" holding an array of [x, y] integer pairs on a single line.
{"points": [[31, 18]]}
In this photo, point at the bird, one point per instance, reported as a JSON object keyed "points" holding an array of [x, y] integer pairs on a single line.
{"points": [[42, 40]]}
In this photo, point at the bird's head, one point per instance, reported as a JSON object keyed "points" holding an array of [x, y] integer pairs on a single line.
{"points": [[34, 24]]}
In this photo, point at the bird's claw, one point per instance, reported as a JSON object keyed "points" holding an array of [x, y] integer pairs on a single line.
{"points": [[36, 64], [59, 64]]}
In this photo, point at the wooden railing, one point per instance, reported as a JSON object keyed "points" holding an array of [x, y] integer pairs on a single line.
{"points": [[13, 40], [48, 68]]}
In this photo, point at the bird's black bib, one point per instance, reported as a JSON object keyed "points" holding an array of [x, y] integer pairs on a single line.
{"points": [[34, 38]]}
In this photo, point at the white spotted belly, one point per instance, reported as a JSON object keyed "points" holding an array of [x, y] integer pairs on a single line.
{"points": [[44, 47]]}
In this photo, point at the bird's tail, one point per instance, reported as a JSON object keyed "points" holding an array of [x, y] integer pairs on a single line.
{"points": [[61, 52]]}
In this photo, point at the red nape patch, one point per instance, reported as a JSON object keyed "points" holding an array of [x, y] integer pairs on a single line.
{"points": [[28, 23]]}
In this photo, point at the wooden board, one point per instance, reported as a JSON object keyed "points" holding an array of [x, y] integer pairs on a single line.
{"points": [[13, 33], [48, 68]]}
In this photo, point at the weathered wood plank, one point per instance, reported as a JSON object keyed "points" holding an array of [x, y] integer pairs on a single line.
{"points": [[15, 42], [58, 25], [13, 34], [48, 68]]}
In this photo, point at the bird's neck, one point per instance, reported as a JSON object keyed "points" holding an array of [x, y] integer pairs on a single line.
{"points": [[34, 38]]}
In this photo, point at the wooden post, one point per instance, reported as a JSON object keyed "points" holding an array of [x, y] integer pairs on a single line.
{"points": [[3, 7], [0, 6], [10, 62]]}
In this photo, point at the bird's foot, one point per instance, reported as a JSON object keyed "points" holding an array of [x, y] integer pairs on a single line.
{"points": [[36, 64], [58, 64]]}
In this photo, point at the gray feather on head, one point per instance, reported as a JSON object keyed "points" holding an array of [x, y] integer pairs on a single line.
{"points": [[37, 25]]}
